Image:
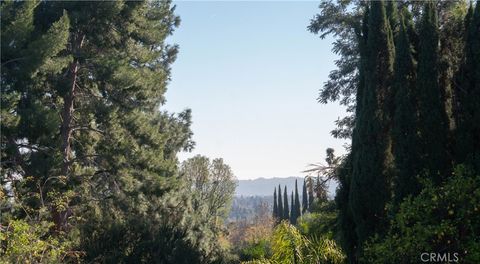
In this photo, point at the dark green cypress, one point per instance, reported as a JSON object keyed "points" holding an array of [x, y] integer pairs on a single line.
{"points": [[280, 204], [346, 225], [468, 108], [404, 131], [297, 210], [286, 213], [304, 197], [275, 207], [433, 119], [412, 33], [311, 198], [293, 217], [372, 158], [393, 17]]}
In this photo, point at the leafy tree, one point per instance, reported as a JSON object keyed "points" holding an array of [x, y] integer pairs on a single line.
{"points": [[212, 185], [342, 20]]}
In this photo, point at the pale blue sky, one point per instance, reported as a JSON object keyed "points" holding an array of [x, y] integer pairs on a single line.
{"points": [[250, 72]]}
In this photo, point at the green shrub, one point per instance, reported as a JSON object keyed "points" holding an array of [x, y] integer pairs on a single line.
{"points": [[257, 250], [22, 242], [289, 246], [441, 219]]}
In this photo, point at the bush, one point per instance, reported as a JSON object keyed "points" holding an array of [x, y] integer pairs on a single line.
{"points": [[289, 246], [256, 250], [441, 219], [22, 242]]}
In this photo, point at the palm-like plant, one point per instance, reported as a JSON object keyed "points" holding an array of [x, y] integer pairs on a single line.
{"points": [[291, 247]]}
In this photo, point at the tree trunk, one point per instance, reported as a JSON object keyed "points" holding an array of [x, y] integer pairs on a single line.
{"points": [[60, 217], [67, 112]]}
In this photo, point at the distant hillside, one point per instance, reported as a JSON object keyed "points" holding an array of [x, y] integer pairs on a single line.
{"points": [[264, 187]]}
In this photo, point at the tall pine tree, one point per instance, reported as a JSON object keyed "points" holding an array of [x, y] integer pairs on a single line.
{"points": [[83, 82]]}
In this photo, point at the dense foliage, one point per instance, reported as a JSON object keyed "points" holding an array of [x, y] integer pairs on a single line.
{"points": [[413, 157], [89, 166], [290, 246], [440, 219]]}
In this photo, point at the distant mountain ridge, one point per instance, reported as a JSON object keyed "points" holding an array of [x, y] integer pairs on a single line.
{"points": [[264, 186]]}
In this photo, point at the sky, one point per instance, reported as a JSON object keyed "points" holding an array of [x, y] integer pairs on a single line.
{"points": [[251, 73]]}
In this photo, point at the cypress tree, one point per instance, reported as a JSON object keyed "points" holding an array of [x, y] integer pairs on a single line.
{"points": [[280, 212], [404, 131], [346, 223], [468, 108], [411, 31], [292, 211], [286, 213], [297, 210], [310, 194], [275, 207], [372, 158], [393, 17], [304, 197], [433, 119]]}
